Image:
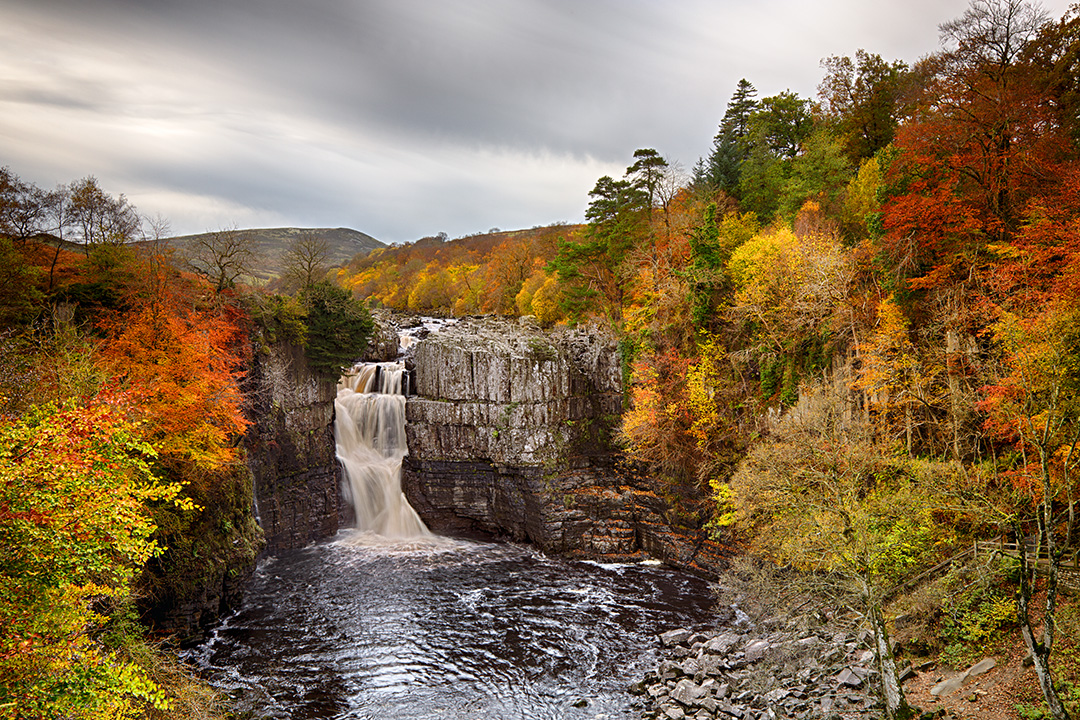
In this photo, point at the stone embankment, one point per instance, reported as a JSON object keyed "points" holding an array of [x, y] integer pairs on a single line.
{"points": [[761, 674]]}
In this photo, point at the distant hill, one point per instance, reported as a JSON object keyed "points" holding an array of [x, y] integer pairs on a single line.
{"points": [[270, 243]]}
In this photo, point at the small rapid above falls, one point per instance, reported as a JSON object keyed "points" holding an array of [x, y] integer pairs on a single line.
{"points": [[370, 433]]}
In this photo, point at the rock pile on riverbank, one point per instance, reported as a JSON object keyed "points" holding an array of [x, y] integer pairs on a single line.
{"points": [[758, 674]]}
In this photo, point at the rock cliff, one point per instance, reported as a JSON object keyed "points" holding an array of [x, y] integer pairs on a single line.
{"points": [[509, 434], [290, 448]]}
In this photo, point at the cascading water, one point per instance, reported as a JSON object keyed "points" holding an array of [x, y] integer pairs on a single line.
{"points": [[370, 432]]}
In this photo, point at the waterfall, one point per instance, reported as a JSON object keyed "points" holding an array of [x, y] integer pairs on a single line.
{"points": [[370, 432]]}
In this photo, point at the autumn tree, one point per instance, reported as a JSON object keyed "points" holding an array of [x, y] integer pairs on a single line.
{"points": [[985, 145], [826, 497], [1035, 404], [222, 257], [792, 292], [508, 266], [864, 100], [905, 389], [75, 528], [182, 365]]}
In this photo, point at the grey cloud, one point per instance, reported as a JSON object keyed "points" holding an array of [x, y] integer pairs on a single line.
{"points": [[403, 117]]}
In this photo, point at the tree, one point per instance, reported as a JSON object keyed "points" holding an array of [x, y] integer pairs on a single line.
{"points": [[75, 485], [991, 35], [999, 115], [305, 260], [819, 173], [1036, 403], [222, 257], [24, 207], [182, 365], [99, 218], [784, 121], [508, 265], [987, 145], [728, 153], [593, 268], [864, 100], [20, 296], [776, 130], [339, 327], [826, 499], [905, 388], [1055, 55]]}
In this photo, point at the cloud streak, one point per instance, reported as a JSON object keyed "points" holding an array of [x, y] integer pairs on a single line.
{"points": [[400, 117]]}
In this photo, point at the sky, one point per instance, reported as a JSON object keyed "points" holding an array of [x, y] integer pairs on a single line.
{"points": [[402, 118]]}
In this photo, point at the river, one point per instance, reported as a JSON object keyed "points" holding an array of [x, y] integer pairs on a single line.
{"points": [[436, 628]]}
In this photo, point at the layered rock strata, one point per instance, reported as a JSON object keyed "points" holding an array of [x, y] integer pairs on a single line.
{"points": [[509, 434]]}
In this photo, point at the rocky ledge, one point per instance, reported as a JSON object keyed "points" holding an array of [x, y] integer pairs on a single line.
{"points": [[761, 674]]}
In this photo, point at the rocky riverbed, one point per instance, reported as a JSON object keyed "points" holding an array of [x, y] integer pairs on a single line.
{"points": [[777, 670]]}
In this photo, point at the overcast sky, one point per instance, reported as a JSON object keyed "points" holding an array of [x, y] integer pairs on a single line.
{"points": [[401, 118]]}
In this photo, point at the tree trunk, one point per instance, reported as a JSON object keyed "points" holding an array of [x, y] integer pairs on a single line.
{"points": [[1040, 650], [896, 705]]}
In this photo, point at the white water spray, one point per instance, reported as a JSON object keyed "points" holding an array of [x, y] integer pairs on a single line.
{"points": [[370, 431]]}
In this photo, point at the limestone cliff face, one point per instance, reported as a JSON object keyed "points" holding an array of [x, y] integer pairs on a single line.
{"points": [[509, 435], [291, 448]]}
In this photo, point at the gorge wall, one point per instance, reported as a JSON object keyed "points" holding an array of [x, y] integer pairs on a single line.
{"points": [[509, 435], [290, 448]]}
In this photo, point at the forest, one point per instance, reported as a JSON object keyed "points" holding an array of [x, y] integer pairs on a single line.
{"points": [[850, 336]]}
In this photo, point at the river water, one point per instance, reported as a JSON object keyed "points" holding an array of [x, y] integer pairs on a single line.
{"points": [[436, 628]]}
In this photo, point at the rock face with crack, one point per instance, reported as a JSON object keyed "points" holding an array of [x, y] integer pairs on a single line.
{"points": [[510, 434]]}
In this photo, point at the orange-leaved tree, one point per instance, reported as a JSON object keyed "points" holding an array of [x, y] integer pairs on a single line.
{"points": [[181, 366]]}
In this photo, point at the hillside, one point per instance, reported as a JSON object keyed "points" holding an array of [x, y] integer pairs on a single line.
{"points": [[497, 272], [270, 243]]}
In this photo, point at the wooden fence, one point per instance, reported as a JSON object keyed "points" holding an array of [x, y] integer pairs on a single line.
{"points": [[1068, 577], [1068, 570]]}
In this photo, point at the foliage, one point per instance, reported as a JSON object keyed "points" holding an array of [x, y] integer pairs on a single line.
{"points": [[20, 296], [178, 365], [75, 484], [338, 327], [469, 275], [281, 317]]}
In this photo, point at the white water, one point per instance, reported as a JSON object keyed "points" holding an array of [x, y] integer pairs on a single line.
{"points": [[370, 432]]}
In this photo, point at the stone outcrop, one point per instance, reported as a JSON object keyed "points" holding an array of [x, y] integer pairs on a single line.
{"points": [[290, 448], [509, 434]]}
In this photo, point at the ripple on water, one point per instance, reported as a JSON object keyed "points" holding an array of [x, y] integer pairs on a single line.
{"points": [[439, 628]]}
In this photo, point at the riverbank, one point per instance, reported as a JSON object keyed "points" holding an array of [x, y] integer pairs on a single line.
{"points": [[816, 667]]}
